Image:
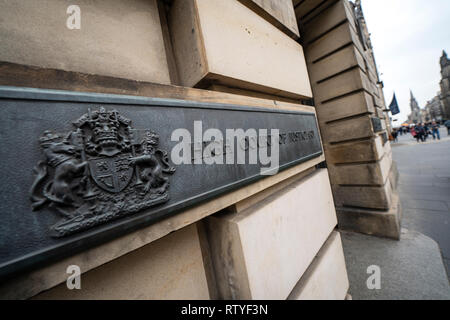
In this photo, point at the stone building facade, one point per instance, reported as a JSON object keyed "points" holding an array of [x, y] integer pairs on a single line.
{"points": [[351, 111], [416, 113], [276, 237], [445, 85], [434, 108], [437, 108]]}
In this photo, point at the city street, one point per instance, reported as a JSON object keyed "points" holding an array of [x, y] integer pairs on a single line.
{"points": [[425, 187]]}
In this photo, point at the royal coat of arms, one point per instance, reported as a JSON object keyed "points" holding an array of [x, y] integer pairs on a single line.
{"points": [[100, 171]]}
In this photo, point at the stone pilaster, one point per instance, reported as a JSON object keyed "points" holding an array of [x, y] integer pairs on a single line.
{"points": [[351, 113]]}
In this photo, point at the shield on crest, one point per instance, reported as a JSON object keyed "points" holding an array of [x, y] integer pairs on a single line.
{"points": [[112, 174]]}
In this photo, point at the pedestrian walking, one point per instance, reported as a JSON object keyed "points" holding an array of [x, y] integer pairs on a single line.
{"points": [[413, 132], [426, 131], [420, 136], [435, 130], [395, 135], [447, 124]]}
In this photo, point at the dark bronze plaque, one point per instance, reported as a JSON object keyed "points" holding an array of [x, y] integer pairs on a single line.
{"points": [[376, 124], [79, 169]]}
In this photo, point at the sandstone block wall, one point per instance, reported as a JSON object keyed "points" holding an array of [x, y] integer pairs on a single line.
{"points": [[351, 111], [169, 268], [263, 251], [244, 52], [225, 42], [116, 38], [326, 278]]}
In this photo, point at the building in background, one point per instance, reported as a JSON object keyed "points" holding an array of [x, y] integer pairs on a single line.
{"points": [[434, 108], [416, 113], [438, 108], [425, 114], [445, 85]]}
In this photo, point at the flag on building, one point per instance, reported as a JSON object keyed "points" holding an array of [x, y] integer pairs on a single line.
{"points": [[394, 106]]}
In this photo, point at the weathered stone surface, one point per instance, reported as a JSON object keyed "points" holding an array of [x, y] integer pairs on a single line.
{"points": [[261, 253], [305, 7], [331, 41], [170, 268], [117, 38], [342, 84], [373, 78], [372, 222], [250, 201], [249, 93], [375, 173], [18, 75], [355, 151], [328, 19], [348, 129], [363, 196], [279, 13], [387, 147], [379, 112], [348, 106], [349, 103], [336, 63], [212, 48], [394, 176], [326, 277]]}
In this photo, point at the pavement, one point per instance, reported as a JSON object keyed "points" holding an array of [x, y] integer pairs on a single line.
{"points": [[410, 269], [417, 266], [424, 188]]}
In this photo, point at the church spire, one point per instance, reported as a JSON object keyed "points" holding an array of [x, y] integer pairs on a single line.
{"points": [[413, 102], [444, 59], [412, 96]]}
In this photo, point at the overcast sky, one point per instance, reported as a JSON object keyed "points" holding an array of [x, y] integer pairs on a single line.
{"points": [[408, 37]]}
